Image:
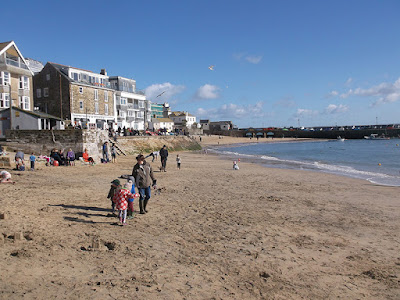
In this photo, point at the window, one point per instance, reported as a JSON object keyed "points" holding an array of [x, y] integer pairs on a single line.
{"points": [[105, 96], [96, 95], [80, 90], [106, 109], [123, 101], [140, 114], [48, 77], [121, 113], [24, 102], [75, 76], [5, 78], [4, 100], [141, 104], [96, 108], [131, 113], [46, 92], [39, 93], [80, 104], [24, 83]]}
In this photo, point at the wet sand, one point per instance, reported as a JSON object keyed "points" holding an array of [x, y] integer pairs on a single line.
{"points": [[212, 233]]}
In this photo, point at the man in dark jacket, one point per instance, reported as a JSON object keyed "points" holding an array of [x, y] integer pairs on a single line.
{"points": [[144, 178], [164, 156]]}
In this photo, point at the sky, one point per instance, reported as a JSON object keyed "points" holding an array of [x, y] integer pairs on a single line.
{"points": [[257, 63]]}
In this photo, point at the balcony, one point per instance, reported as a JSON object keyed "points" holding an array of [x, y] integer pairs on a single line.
{"points": [[19, 64], [133, 106], [15, 66]]}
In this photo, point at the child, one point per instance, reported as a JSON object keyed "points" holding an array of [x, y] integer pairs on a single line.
{"points": [[178, 162], [115, 186], [113, 153], [130, 200], [121, 201], [235, 165], [5, 177], [32, 158]]}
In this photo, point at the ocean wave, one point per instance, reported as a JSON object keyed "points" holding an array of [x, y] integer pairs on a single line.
{"points": [[271, 161]]}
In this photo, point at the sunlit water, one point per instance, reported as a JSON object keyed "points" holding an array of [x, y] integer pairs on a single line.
{"points": [[377, 161]]}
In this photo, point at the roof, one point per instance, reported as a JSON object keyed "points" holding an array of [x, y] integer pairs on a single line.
{"points": [[180, 114], [165, 120], [11, 44], [38, 114]]}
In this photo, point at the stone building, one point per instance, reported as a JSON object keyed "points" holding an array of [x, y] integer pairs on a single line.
{"points": [[81, 97], [182, 119], [133, 110], [15, 78]]}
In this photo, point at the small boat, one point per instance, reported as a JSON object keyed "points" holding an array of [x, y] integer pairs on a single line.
{"points": [[375, 136], [340, 139]]}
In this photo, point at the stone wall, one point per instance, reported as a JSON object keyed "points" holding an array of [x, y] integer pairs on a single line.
{"points": [[146, 144], [41, 142]]}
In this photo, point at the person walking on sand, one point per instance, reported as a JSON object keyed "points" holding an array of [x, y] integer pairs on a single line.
{"points": [[113, 153], [105, 152], [115, 186], [121, 202], [178, 162], [164, 156], [144, 178], [32, 159]]}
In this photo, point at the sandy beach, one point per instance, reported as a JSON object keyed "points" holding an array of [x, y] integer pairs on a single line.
{"points": [[212, 233]]}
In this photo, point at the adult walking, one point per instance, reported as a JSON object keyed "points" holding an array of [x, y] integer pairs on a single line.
{"points": [[105, 152], [164, 156], [144, 178]]}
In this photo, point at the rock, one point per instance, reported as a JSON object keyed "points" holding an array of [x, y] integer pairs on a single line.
{"points": [[3, 216], [1, 239], [18, 236]]}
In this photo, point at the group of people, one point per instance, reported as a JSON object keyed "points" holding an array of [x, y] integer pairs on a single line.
{"points": [[105, 151], [122, 196], [57, 157]]}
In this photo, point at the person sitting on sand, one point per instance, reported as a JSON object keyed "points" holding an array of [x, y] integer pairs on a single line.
{"points": [[87, 158], [70, 158], [235, 165], [5, 177]]}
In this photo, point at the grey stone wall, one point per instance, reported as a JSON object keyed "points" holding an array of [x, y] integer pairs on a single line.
{"points": [[41, 142]]}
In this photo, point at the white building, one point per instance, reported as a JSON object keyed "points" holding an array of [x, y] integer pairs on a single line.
{"points": [[133, 110], [161, 123], [182, 119]]}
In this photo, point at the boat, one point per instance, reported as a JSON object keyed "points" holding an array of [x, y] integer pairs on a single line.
{"points": [[340, 139], [375, 136]]}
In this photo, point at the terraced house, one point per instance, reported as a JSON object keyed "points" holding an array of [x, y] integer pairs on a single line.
{"points": [[132, 107], [79, 96], [15, 78]]}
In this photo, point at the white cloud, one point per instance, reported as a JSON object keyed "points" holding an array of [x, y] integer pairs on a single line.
{"points": [[251, 58], [332, 94], [336, 109], [232, 111], [348, 81], [305, 113], [254, 59], [167, 89], [386, 92], [207, 91]]}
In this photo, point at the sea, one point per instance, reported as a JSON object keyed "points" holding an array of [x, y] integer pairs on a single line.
{"points": [[377, 161]]}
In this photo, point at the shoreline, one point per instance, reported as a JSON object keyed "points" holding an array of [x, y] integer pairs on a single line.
{"points": [[254, 233], [289, 165]]}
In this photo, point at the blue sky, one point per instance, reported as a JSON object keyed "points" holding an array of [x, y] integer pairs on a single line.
{"points": [[276, 63]]}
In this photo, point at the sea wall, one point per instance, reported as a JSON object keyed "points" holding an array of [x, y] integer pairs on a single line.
{"points": [[41, 142], [146, 144]]}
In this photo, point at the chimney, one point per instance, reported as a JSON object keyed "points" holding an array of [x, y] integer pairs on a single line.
{"points": [[103, 72]]}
